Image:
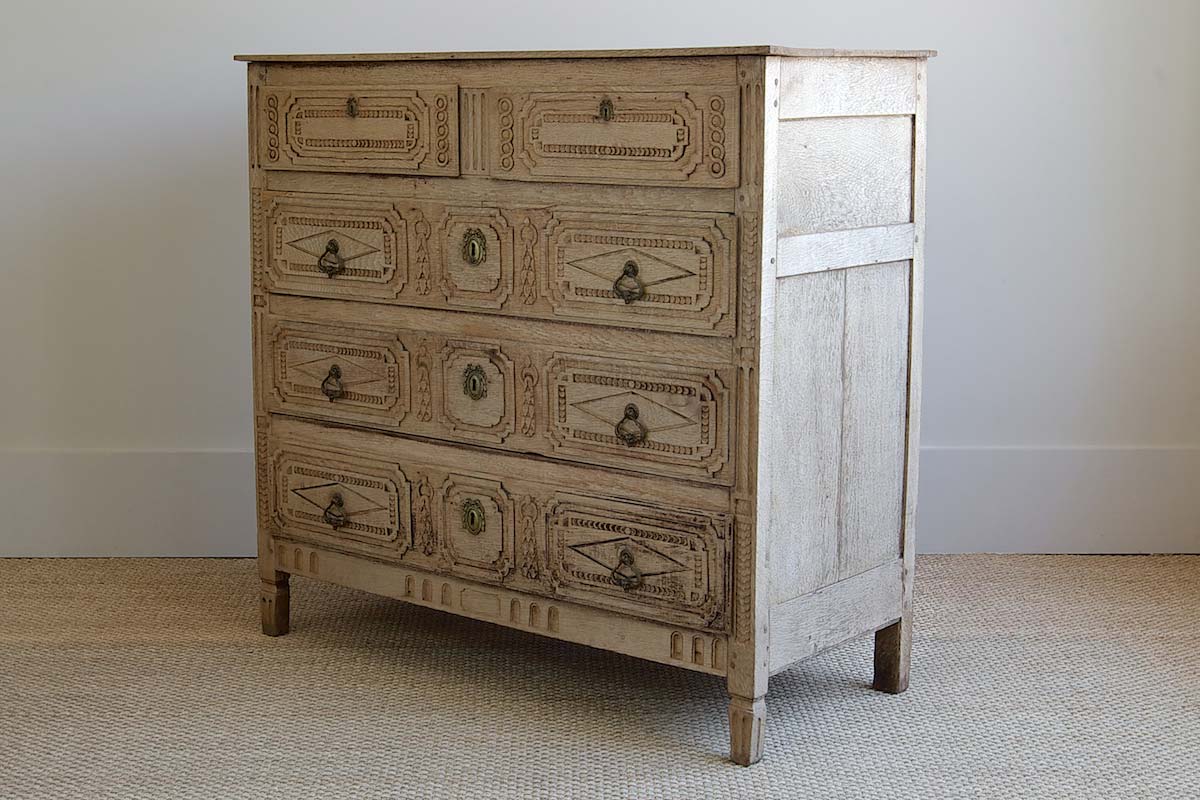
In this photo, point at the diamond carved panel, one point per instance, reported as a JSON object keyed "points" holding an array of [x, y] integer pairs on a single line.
{"points": [[683, 269], [663, 563], [673, 417], [340, 496], [370, 238], [339, 374]]}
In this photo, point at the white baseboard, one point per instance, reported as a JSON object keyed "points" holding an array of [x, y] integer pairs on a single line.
{"points": [[972, 500]]}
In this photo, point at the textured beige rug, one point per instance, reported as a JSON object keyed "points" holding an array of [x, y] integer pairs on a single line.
{"points": [[1033, 676]]}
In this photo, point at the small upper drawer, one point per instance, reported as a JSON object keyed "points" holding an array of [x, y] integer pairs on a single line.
{"points": [[682, 136], [405, 129]]}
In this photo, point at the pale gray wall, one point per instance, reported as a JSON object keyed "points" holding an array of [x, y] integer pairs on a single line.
{"points": [[1062, 372]]}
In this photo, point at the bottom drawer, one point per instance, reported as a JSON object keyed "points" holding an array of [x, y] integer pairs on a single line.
{"points": [[505, 520]]}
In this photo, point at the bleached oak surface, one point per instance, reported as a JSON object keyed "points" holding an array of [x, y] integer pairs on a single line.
{"points": [[617, 347]]}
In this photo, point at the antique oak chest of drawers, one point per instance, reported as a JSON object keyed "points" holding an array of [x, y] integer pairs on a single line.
{"points": [[616, 347]]}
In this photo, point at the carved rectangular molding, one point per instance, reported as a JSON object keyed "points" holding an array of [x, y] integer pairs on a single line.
{"points": [[339, 496], [478, 391], [328, 246], [477, 528], [669, 270], [653, 561], [403, 129], [623, 412], [337, 373], [637, 135]]}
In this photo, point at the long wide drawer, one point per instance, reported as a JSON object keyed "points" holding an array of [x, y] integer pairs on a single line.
{"points": [[647, 548], [662, 270], [664, 416]]}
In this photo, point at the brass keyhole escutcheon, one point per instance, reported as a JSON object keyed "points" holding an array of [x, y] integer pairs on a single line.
{"points": [[475, 382], [474, 520], [352, 107], [474, 247], [606, 110]]}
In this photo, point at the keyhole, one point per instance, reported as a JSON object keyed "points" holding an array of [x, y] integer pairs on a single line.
{"points": [[473, 518], [474, 248]]}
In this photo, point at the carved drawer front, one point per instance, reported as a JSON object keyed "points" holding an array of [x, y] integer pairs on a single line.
{"points": [[686, 136], [337, 373], [331, 495], [401, 129], [655, 562], [656, 270], [334, 247], [478, 539], [629, 413], [478, 394], [477, 246]]}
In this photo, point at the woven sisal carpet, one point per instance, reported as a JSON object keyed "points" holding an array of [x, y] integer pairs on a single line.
{"points": [[1033, 676]]}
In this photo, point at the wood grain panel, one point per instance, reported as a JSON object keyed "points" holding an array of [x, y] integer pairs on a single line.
{"points": [[840, 87], [844, 172], [875, 385], [807, 395]]}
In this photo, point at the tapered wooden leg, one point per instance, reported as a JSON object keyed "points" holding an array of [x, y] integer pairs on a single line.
{"points": [[893, 646], [747, 724], [275, 605]]}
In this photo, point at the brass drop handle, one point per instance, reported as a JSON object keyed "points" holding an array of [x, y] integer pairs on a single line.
{"points": [[332, 387], [474, 520], [352, 106], [331, 262], [629, 286], [626, 574], [475, 382], [474, 247], [335, 512], [630, 429]]}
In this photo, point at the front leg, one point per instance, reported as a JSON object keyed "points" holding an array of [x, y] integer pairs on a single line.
{"points": [[747, 724], [275, 604]]}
